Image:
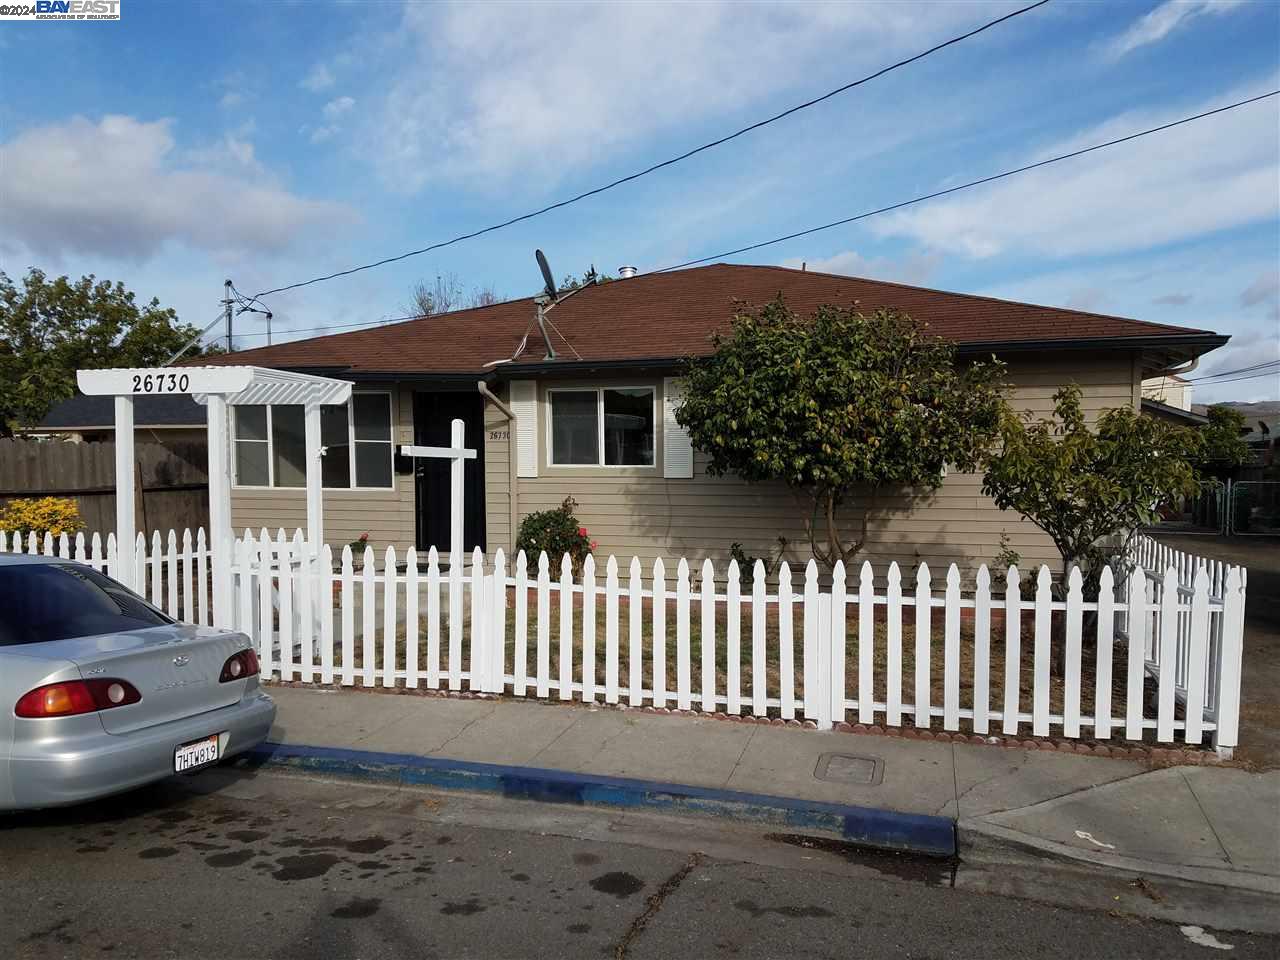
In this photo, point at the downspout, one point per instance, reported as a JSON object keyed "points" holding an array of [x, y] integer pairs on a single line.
{"points": [[514, 498]]}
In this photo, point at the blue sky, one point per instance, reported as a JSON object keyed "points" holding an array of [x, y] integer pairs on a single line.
{"points": [[271, 142]]}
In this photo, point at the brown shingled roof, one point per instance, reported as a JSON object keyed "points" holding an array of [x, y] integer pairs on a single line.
{"points": [[670, 316]]}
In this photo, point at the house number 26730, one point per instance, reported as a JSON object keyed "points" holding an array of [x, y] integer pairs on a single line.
{"points": [[161, 382]]}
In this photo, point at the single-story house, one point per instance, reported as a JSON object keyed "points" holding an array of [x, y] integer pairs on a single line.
{"points": [[166, 420], [597, 421]]}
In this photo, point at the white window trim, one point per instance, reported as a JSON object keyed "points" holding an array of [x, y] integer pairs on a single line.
{"points": [[351, 449], [600, 464]]}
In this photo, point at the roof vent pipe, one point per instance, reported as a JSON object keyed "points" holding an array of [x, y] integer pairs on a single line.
{"points": [[625, 273]]}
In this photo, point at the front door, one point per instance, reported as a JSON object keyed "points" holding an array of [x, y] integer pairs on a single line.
{"points": [[433, 416]]}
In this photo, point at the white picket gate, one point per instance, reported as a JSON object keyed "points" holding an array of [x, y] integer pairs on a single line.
{"points": [[848, 650]]}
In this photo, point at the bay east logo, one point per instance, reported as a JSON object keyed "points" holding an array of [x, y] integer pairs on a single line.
{"points": [[61, 10]]}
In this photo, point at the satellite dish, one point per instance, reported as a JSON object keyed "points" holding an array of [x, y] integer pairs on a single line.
{"points": [[548, 279]]}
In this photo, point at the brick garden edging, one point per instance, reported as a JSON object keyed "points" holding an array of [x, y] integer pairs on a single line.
{"points": [[1120, 750]]}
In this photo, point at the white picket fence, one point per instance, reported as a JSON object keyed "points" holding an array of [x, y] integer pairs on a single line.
{"points": [[1154, 557], [853, 650]]}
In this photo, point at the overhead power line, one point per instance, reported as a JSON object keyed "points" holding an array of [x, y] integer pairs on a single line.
{"points": [[1227, 373], [1252, 376], [665, 163], [906, 203], [338, 326], [970, 184]]}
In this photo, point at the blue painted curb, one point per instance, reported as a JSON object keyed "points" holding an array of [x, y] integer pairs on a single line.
{"points": [[886, 829]]}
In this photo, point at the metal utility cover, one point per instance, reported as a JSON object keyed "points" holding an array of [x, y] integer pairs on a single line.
{"points": [[847, 768]]}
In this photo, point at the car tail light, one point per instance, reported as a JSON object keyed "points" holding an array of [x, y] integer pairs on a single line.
{"points": [[75, 697], [240, 665]]}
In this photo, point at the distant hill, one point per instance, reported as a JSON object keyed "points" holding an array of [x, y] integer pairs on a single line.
{"points": [[1268, 411]]}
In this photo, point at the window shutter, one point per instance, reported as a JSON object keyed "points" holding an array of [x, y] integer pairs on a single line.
{"points": [[524, 404], [677, 448]]}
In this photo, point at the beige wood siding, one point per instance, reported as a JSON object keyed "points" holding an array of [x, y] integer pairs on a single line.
{"points": [[497, 476], [638, 512], [386, 515]]}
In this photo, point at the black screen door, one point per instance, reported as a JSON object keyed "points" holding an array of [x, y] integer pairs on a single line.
{"points": [[433, 416]]}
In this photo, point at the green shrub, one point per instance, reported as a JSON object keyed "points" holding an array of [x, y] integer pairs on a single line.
{"points": [[557, 532]]}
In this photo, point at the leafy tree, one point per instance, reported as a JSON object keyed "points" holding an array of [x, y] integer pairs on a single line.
{"points": [[1084, 487], [1224, 447], [838, 406], [51, 328]]}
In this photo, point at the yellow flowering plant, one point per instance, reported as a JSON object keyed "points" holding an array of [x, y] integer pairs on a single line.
{"points": [[53, 515]]}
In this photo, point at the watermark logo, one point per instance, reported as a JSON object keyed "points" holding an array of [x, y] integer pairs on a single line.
{"points": [[61, 10]]}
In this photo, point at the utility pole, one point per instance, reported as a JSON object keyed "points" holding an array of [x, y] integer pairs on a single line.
{"points": [[227, 304]]}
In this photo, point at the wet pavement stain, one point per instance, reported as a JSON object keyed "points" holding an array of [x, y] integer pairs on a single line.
{"points": [[371, 865], [520, 877], [586, 859], [442, 841], [173, 816], [91, 849], [54, 933], [233, 859], [305, 866], [617, 884], [368, 845], [157, 853], [201, 845], [794, 913], [462, 909], [247, 836], [304, 843], [357, 909], [578, 928]]}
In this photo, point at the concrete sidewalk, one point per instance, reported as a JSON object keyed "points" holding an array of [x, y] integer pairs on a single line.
{"points": [[1210, 825]]}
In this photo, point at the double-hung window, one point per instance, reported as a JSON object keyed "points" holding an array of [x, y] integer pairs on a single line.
{"points": [[270, 444], [601, 427]]}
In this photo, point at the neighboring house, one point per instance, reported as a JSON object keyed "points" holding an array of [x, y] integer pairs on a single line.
{"points": [[1169, 391], [1182, 417], [598, 422], [163, 420]]}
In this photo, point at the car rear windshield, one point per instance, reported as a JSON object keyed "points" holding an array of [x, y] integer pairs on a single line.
{"points": [[40, 602]]}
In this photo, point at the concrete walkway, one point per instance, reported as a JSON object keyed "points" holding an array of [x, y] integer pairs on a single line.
{"points": [[1204, 824]]}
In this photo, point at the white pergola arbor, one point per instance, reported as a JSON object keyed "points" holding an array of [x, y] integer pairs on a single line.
{"points": [[217, 388]]}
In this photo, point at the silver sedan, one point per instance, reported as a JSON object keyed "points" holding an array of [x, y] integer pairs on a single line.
{"points": [[100, 692]]}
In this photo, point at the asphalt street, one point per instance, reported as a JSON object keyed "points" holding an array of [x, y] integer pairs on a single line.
{"points": [[243, 863]]}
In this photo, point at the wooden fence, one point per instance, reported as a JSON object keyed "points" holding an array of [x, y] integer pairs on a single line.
{"points": [[173, 483], [1156, 656]]}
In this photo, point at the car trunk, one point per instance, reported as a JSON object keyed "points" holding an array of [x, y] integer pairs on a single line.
{"points": [[174, 668]]}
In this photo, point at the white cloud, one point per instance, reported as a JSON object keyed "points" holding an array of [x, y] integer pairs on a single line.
{"points": [[1157, 24], [1210, 175], [232, 98], [121, 188], [1173, 300], [504, 90], [915, 268], [338, 106], [1265, 288], [1246, 349], [318, 78], [320, 134]]}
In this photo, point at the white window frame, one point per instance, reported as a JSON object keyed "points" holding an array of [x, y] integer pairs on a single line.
{"points": [[600, 464], [351, 448]]}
